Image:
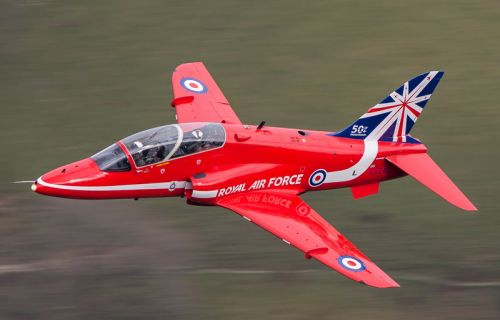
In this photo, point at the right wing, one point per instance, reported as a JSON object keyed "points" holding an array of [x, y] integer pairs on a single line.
{"points": [[197, 98], [285, 215]]}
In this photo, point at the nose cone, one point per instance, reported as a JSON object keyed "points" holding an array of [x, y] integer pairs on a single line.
{"points": [[68, 180]]}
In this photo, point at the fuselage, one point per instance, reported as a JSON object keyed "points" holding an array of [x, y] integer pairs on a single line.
{"points": [[245, 158]]}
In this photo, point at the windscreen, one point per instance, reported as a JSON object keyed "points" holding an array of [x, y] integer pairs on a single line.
{"points": [[112, 159]]}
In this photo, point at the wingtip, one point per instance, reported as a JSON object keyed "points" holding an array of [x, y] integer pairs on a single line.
{"points": [[465, 204], [386, 285], [189, 63], [391, 284], [382, 281], [471, 208]]}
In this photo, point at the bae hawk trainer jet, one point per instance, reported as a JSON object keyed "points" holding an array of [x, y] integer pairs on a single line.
{"points": [[211, 158]]}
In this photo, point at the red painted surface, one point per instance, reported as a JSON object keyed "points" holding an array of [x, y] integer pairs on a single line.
{"points": [[266, 154], [278, 212], [421, 167], [258, 173]]}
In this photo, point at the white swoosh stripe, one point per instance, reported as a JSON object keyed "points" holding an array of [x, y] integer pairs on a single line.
{"points": [[205, 194], [124, 187], [369, 154]]}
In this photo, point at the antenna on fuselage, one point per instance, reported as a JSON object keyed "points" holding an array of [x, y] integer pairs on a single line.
{"points": [[261, 125]]}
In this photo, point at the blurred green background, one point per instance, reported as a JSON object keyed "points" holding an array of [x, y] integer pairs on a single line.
{"points": [[77, 75]]}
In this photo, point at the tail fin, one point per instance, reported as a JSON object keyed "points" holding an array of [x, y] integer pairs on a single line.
{"points": [[393, 118], [423, 169]]}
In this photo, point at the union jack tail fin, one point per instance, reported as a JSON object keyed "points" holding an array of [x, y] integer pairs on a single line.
{"points": [[393, 118]]}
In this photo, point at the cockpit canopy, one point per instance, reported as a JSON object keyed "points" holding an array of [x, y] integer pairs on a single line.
{"points": [[153, 145], [112, 159], [161, 144]]}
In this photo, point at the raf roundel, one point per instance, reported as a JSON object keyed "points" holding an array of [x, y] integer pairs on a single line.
{"points": [[351, 263], [194, 85], [317, 177]]}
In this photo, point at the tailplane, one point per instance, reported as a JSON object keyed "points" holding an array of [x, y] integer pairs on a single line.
{"points": [[393, 118], [423, 169]]}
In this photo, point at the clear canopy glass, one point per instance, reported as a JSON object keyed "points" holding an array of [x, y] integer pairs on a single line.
{"points": [[173, 141], [112, 159]]}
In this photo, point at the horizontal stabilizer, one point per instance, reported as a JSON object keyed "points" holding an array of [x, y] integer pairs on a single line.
{"points": [[423, 169]]}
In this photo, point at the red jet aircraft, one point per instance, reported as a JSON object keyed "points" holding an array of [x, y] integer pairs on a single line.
{"points": [[212, 158]]}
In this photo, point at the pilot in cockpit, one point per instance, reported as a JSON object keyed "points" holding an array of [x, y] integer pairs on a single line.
{"points": [[154, 154], [149, 154]]}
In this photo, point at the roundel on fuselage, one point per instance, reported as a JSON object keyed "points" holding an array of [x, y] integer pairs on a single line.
{"points": [[317, 177]]}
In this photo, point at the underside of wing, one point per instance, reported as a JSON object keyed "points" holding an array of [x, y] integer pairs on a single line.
{"points": [[197, 98], [289, 218]]}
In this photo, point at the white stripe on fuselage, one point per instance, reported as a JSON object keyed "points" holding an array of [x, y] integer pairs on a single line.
{"points": [[369, 155], [170, 185], [205, 194]]}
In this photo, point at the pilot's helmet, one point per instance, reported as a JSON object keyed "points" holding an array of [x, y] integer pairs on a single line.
{"points": [[138, 144], [198, 134]]}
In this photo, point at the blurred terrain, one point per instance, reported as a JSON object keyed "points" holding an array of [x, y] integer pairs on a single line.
{"points": [[77, 76]]}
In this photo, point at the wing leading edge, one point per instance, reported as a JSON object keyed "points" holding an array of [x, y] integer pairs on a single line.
{"points": [[197, 98], [289, 218]]}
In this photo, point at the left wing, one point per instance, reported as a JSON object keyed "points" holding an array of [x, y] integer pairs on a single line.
{"points": [[285, 215], [197, 98]]}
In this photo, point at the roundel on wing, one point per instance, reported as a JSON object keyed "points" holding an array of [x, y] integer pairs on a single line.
{"points": [[194, 85], [351, 263], [302, 209]]}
